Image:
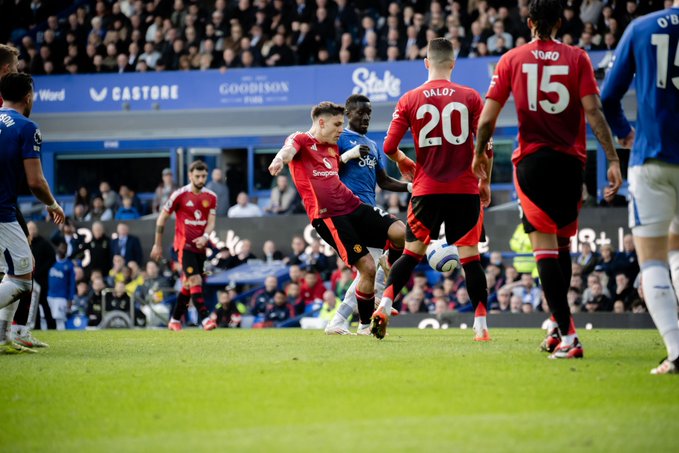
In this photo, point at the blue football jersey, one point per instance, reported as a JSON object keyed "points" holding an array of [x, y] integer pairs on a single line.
{"points": [[648, 48], [360, 175], [19, 139]]}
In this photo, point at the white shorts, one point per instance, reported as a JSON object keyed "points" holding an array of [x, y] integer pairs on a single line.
{"points": [[17, 258], [654, 199], [58, 307]]}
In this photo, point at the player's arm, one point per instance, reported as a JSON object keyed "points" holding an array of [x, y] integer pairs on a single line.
{"points": [[481, 165], [595, 116], [484, 185], [397, 129], [157, 250], [615, 86], [386, 182], [209, 228], [354, 153], [283, 156]]}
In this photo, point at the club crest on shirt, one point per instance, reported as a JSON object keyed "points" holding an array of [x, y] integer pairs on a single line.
{"points": [[358, 248], [189, 270], [206, 203]]}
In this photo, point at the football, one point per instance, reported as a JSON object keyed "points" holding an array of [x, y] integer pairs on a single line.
{"points": [[441, 256]]}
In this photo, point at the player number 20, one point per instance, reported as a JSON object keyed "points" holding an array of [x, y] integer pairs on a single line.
{"points": [[445, 114], [546, 86], [662, 42]]}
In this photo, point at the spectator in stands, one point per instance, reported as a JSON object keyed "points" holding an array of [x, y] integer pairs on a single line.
{"points": [[295, 273], [592, 279], [100, 250], [503, 301], [263, 298], [243, 207], [218, 187], [590, 11], [127, 211], [98, 212], [463, 302], [526, 290], [587, 259], [226, 312], [312, 287], [95, 303], [164, 190], [82, 197], [244, 254], [280, 54], [515, 303], [126, 245], [110, 197], [80, 300], [574, 299], [293, 291], [325, 315], [283, 197], [270, 253], [150, 55], [570, 23], [278, 311], [596, 300], [61, 285], [626, 260], [414, 302], [499, 33], [317, 260], [624, 292], [74, 243]]}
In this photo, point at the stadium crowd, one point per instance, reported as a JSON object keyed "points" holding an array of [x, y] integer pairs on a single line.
{"points": [[105, 36]]}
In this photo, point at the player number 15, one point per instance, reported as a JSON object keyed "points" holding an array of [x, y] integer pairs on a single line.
{"points": [[662, 42], [546, 86]]}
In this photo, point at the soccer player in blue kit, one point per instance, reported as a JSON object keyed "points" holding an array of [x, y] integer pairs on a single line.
{"points": [[649, 48], [364, 166], [20, 144]]}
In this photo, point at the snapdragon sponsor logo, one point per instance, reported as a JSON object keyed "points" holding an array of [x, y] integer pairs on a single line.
{"points": [[368, 83], [254, 90], [136, 93], [47, 95]]}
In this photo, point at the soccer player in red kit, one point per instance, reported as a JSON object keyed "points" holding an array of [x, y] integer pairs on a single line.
{"points": [[338, 216], [442, 116], [195, 208], [554, 88]]}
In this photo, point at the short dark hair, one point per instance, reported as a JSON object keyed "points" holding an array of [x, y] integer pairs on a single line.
{"points": [[197, 165], [15, 86], [545, 14], [354, 100], [440, 50], [8, 54], [326, 108]]}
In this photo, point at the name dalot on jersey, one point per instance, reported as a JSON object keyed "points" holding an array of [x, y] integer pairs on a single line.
{"points": [[438, 92]]}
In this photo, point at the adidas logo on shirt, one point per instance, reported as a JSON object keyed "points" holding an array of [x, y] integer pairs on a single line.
{"points": [[189, 204], [314, 147]]}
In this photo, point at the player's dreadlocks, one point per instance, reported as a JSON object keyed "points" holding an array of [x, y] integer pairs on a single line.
{"points": [[545, 14]]}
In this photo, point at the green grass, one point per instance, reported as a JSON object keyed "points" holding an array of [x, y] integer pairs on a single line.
{"points": [[293, 390]]}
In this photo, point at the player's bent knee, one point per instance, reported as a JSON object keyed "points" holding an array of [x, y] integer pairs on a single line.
{"points": [[397, 233], [366, 266]]}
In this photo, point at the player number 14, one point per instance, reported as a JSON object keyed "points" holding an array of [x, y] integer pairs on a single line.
{"points": [[662, 42], [546, 86]]}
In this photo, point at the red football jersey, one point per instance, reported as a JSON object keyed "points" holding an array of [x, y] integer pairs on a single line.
{"points": [[442, 116], [192, 211], [548, 79], [315, 171]]}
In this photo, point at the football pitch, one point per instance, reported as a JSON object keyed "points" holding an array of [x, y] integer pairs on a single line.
{"points": [[294, 390]]}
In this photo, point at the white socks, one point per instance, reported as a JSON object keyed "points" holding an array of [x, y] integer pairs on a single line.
{"points": [[662, 303]]}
